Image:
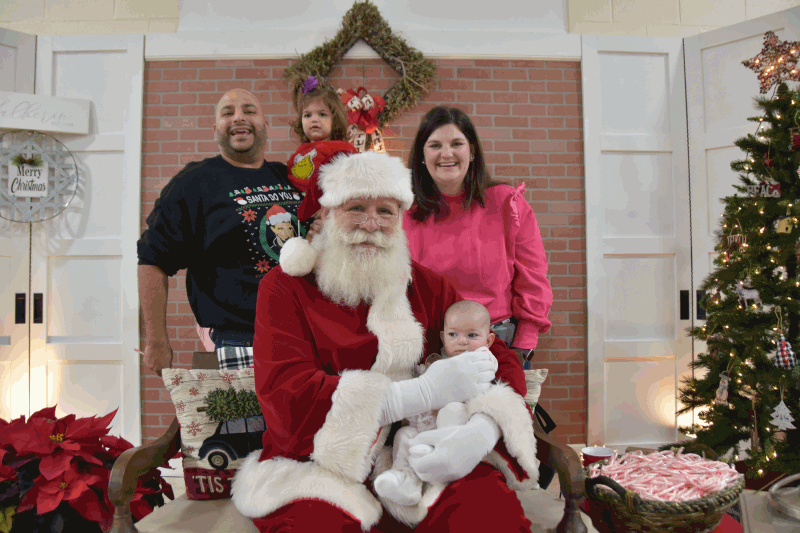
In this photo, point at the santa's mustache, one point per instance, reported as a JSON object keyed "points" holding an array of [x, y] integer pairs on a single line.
{"points": [[359, 236]]}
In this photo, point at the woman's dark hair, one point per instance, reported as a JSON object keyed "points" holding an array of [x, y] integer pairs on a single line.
{"points": [[427, 198]]}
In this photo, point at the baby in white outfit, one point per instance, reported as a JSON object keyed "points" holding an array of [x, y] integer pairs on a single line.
{"points": [[466, 329]]}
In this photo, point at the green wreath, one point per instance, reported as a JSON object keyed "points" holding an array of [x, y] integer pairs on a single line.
{"points": [[363, 21]]}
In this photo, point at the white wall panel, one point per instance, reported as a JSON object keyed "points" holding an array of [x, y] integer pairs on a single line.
{"points": [[633, 314], [108, 97], [640, 201], [85, 388], [644, 396], [719, 184], [94, 307], [634, 93]]}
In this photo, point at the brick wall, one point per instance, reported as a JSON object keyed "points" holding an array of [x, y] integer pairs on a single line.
{"points": [[528, 115]]}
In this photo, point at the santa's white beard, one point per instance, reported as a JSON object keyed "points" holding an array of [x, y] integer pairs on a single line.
{"points": [[350, 274]]}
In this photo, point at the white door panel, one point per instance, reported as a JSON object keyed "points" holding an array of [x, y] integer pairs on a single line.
{"points": [[84, 260], [17, 58], [638, 240]]}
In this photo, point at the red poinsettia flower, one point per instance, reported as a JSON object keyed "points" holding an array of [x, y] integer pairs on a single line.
{"points": [[249, 215], [58, 441], [139, 506], [6, 473], [72, 486]]}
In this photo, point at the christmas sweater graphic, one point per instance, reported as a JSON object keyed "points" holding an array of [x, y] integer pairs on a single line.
{"points": [[269, 214]]}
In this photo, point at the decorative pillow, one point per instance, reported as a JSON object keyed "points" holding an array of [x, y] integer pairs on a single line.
{"points": [[534, 380], [221, 423]]}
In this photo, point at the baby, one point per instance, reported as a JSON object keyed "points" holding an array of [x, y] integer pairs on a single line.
{"points": [[466, 329]]}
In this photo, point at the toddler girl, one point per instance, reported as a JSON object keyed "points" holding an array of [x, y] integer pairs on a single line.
{"points": [[321, 126]]}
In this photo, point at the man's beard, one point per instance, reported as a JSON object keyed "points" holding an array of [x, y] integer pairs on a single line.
{"points": [[349, 274], [248, 151]]}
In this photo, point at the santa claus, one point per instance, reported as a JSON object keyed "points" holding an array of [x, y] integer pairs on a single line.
{"points": [[339, 329]]}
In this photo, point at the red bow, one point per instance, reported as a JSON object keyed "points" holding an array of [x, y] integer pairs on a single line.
{"points": [[363, 110]]}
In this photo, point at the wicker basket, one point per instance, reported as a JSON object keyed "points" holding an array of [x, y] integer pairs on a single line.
{"points": [[623, 510]]}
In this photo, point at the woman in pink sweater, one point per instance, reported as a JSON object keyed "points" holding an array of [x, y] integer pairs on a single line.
{"points": [[479, 234]]}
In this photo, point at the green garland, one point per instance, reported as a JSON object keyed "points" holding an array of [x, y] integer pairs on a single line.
{"points": [[363, 21], [19, 160]]}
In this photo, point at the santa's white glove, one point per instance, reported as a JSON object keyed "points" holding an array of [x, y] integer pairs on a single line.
{"points": [[447, 454], [456, 379]]}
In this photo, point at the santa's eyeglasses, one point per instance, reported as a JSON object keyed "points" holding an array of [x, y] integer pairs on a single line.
{"points": [[383, 219]]}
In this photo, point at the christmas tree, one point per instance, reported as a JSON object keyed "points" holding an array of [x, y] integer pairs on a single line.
{"points": [[753, 293]]}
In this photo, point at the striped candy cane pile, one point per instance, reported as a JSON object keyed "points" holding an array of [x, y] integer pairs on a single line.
{"points": [[666, 476]]}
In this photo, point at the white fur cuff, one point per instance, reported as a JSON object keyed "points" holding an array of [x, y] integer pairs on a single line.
{"points": [[347, 442], [508, 409]]}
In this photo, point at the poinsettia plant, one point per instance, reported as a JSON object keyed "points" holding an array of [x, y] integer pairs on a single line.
{"points": [[56, 470]]}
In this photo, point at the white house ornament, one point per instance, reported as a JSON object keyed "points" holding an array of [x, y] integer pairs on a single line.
{"points": [[784, 357], [784, 224]]}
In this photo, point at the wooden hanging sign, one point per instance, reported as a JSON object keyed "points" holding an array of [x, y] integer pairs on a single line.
{"points": [[22, 111]]}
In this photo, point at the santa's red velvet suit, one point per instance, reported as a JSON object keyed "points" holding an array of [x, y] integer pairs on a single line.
{"points": [[321, 371]]}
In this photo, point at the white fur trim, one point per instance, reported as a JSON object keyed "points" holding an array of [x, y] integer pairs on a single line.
{"points": [[508, 409], [400, 336], [365, 175], [298, 257], [348, 441], [262, 487], [411, 515]]}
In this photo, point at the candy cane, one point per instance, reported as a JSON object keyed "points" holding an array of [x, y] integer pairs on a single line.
{"points": [[667, 476]]}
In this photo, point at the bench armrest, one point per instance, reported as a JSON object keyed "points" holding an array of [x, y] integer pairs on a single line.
{"points": [[130, 466], [565, 461]]}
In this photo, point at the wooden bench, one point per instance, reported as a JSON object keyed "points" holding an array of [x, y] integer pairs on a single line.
{"points": [[220, 515]]}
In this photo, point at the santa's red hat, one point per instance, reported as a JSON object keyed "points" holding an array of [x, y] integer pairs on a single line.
{"points": [[362, 175]]}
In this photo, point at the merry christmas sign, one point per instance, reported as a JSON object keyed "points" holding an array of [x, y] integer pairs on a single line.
{"points": [[27, 178]]}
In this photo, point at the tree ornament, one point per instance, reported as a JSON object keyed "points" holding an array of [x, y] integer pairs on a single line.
{"points": [[765, 189], [784, 224], [754, 441], [747, 293], [781, 417], [769, 163], [735, 242], [784, 357], [722, 390], [776, 62]]}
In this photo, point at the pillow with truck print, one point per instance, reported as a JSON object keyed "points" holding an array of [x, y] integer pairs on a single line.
{"points": [[221, 423]]}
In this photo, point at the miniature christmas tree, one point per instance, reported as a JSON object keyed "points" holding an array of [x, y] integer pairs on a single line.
{"points": [[782, 418], [753, 294]]}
